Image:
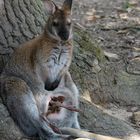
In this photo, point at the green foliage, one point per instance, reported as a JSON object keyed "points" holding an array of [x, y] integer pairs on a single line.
{"points": [[126, 5], [87, 43]]}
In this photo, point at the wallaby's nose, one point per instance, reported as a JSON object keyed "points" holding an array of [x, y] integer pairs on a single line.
{"points": [[63, 35]]}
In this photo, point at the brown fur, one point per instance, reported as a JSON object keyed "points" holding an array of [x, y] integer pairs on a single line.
{"points": [[34, 68]]}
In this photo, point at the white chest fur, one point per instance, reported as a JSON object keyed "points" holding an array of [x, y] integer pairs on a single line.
{"points": [[59, 59]]}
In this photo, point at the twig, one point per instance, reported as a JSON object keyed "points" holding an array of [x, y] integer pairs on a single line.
{"points": [[111, 55], [71, 108], [121, 28]]}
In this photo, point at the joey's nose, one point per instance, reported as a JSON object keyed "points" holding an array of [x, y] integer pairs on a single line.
{"points": [[64, 35]]}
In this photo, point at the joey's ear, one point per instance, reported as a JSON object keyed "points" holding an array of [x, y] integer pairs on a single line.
{"points": [[50, 6], [67, 5], [62, 82], [66, 80]]}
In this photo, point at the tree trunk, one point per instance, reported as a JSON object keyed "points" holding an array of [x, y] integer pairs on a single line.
{"points": [[22, 20]]}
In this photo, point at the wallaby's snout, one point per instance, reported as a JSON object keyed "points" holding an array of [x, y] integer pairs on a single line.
{"points": [[63, 35], [64, 32]]}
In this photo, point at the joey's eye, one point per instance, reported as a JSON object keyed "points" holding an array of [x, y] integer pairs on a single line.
{"points": [[55, 23]]}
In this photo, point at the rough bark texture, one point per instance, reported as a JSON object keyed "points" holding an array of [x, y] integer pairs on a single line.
{"points": [[21, 20]]}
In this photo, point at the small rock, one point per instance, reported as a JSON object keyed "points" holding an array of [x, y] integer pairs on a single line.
{"points": [[136, 118]]}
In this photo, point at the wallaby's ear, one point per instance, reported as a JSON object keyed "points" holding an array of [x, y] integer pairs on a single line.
{"points": [[50, 6], [67, 5]]}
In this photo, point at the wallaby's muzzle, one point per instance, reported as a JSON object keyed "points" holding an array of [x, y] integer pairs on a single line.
{"points": [[64, 35]]}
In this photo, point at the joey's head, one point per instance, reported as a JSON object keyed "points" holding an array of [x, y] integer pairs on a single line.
{"points": [[59, 22]]}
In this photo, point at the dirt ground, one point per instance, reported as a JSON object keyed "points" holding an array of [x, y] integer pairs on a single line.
{"points": [[115, 24]]}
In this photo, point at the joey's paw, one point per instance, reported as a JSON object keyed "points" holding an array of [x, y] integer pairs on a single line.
{"points": [[55, 104], [58, 99]]}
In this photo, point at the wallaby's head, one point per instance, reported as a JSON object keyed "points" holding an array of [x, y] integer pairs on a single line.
{"points": [[59, 21]]}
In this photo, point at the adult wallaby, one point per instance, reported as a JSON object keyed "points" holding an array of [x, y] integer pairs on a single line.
{"points": [[37, 71]]}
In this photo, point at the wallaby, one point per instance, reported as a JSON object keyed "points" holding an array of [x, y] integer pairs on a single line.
{"points": [[37, 71]]}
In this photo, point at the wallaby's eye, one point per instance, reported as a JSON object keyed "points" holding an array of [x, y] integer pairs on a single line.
{"points": [[55, 23], [68, 23]]}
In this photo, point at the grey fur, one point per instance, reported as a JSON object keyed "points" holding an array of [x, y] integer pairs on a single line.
{"points": [[22, 86]]}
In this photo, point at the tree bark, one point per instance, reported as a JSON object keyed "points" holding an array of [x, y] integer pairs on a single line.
{"points": [[22, 20]]}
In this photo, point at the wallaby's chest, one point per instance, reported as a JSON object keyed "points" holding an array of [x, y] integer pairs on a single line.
{"points": [[57, 62]]}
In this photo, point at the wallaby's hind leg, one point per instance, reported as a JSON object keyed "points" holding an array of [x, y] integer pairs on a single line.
{"points": [[22, 106], [20, 103]]}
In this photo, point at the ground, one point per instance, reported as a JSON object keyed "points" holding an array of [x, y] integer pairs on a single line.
{"points": [[115, 25]]}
